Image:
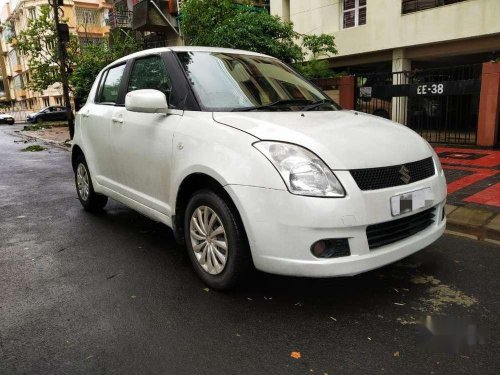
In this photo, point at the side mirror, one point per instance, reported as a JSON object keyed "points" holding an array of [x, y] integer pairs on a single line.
{"points": [[146, 101]]}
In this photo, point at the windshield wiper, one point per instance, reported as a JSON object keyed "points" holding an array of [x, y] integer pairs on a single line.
{"points": [[274, 104], [316, 104]]}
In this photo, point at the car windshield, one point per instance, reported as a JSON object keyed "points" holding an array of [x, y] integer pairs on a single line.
{"points": [[239, 82]]}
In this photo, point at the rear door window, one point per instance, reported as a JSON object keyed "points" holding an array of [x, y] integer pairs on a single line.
{"points": [[111, 85]]}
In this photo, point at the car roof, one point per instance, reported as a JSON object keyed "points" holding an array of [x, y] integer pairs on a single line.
{"points": [[187, 49]]}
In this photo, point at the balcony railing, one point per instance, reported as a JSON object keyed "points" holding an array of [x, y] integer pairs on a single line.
{"points": [[120, 19]]}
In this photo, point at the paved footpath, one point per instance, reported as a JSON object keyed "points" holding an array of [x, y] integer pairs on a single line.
{"points": [[473, 177]]}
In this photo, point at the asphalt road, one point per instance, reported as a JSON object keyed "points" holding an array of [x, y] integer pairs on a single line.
{"points": [[113, 294]]}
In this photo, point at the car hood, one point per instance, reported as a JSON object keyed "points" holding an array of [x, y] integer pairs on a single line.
{"points": [[343, 139]]}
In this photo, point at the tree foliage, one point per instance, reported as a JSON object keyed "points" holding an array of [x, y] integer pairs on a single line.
{"points": [[38, 42], [94, 57], [221, 23]]}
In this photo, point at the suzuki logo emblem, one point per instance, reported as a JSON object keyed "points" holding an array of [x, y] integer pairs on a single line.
{"points": [[404, 174]]}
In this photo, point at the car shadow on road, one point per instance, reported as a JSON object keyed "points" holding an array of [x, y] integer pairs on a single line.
{"points": [[391, 285]]}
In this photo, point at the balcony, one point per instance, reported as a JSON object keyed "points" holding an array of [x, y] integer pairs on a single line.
{"points": [[149, 15], [18, 68], [120, 19], [21, 93]]}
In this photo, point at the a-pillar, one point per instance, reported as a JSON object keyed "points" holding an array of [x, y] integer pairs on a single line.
{"points": [[400, 104]]}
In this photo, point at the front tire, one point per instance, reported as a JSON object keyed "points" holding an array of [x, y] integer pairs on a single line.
{"points": [[216, 241], [90, 200]]}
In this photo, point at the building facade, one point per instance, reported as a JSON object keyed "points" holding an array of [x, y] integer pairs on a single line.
{"points": [[399, 33], [417, 62], [86, 18]]}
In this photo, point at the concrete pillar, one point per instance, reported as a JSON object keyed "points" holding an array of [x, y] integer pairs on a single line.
{"points": [[489, 105], [400, 104], [281, 8]]}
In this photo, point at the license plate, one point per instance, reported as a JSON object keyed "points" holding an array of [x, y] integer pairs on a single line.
{"points": [[411, 201]]}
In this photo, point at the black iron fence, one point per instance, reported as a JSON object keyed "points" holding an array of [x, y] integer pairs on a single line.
{"points": [[440, 104]]}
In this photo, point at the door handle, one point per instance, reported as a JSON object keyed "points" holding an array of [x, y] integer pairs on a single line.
{"points": [[85, 114], [117, 119]]}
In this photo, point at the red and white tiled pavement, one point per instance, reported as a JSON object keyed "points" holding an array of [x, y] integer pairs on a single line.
{"points": [[473, 176]]}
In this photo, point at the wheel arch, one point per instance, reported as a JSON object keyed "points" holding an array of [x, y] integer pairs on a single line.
{"points": [[189, 185], [76, 151]]}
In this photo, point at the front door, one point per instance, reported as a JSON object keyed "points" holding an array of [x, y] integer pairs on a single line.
{"points": [[143, 141]]}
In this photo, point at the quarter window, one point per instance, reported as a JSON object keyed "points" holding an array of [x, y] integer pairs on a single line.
{"points": [[111, 85], [150, 73], [354, 13]]}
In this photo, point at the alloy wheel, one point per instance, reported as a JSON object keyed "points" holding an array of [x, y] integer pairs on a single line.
{"points": [[209, 240], [82, 182]]}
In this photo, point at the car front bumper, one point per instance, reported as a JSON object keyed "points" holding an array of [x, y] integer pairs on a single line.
{"points": [[281, 227]]}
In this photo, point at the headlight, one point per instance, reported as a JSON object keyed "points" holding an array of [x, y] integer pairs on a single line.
{"points": [[437, 162], [303, 172]]}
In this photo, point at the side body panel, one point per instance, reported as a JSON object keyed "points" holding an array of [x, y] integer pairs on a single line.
{"points": [[202, 145]]}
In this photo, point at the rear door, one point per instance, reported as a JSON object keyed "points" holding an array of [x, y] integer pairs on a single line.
{"points": [[96, 123], [143, 141]]}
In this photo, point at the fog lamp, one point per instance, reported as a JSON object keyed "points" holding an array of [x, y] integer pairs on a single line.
{"points": [[331, 248]]}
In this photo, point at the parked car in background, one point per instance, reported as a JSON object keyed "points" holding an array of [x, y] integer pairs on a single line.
{"points": [[250, 164], [54, 113], [5, 118]]}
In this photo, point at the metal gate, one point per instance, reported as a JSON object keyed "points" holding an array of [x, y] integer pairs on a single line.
{"points": [[440, 104]]}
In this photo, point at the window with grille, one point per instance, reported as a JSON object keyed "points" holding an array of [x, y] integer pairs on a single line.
{"points": [[410, 6], [13, 58], [19, 82], [31, 13], [85, 16], [354, 13]]}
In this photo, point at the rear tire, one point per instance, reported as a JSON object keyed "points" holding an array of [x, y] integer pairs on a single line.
{"points": [[90, 200], [216, 241]]}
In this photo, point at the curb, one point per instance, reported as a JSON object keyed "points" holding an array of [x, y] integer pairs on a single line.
{"points": [[476, 223], [61, 145]]}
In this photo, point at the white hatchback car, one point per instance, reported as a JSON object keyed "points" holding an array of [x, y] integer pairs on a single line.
{"points": [[249, 163]]}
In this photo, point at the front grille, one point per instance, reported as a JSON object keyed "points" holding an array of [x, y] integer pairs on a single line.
{"points": [[396, 230], [384, 177]]}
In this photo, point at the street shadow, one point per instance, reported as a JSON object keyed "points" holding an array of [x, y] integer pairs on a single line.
{"points": [[380, 287]]}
